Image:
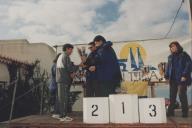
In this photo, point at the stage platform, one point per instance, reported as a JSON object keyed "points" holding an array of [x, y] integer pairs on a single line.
{"points": [[46, 121]]}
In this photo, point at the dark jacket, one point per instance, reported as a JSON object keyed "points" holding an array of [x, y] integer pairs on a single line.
{"points": [[179, 65], [107, 66], [90, 62]]}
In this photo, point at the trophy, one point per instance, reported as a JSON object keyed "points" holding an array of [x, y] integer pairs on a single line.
{"points": [[162, 68], [82, 52]]}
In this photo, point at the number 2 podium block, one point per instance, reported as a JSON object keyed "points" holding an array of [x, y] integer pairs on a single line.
{"points": [[96, 110], [152, 110], [124, 108]]}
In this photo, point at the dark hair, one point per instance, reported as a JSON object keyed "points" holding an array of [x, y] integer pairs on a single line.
{"points": [[91, 43], [56, 58], [179, 47], [65, 46], [99, 38]]}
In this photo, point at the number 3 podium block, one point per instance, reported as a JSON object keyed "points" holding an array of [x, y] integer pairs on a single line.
{"points": [[124, 108], [96, 110], [152, 110]]}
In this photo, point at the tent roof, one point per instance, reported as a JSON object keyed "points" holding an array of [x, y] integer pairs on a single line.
{"points": [[8, 60]]}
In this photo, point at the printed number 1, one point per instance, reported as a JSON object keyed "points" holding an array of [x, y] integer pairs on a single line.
{"points": [[123, 107]]}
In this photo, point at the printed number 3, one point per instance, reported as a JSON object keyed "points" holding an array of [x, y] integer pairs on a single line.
{"points": [[95, 107], [153, 109]]}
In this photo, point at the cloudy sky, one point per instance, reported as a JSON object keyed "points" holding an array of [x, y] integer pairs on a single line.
{"points": [[78, 21]]}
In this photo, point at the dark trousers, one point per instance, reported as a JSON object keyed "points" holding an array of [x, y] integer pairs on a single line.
{"points": [[105, 89], [63, 99], [91, 88], [54, 101], [182, 91]]}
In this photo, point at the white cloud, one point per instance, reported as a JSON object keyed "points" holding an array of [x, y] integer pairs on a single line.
{"points": [[151, 19], [55, 21]]}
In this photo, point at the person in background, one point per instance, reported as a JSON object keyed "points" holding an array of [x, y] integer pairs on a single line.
{"points": [[53, 87], [178, 73], [107, 68], [91, 82], [64, 75]]}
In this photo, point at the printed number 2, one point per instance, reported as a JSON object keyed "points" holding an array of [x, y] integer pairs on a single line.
{"points": [[153, 109], [95, 107]]}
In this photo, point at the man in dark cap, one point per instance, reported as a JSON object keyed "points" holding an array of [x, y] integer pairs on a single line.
{"points": [[107, 68]]}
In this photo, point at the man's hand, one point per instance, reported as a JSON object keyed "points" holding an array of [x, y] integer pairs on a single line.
{"points": [[92, 68], [72, 75], [183, 79]]}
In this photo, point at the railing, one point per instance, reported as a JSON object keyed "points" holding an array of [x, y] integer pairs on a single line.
{"points": [[3, 84]]}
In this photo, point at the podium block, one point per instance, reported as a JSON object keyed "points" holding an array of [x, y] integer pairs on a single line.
{"points": [[96, 110], [124, 108], [152, 110]]}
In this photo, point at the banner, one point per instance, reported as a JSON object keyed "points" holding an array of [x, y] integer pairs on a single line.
{"points": [[141, 60], [135, 87]]}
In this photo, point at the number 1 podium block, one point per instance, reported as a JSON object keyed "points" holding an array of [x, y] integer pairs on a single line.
{"points": [[152, 110], [96, 110], [124, 108]]}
